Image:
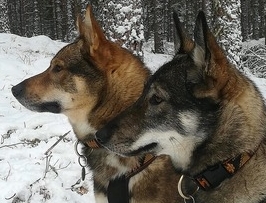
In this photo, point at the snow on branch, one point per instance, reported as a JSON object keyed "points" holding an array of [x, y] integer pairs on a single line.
{"points": [[254, 60]]}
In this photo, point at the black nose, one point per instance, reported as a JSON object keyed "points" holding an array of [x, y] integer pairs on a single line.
{"points": [[18, 90], [102, 135]]}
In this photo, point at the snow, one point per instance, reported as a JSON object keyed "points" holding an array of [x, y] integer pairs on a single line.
{"points": [[26, 136]]}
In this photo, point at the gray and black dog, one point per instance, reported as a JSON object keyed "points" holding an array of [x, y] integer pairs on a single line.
{"points": [[206, 115]]}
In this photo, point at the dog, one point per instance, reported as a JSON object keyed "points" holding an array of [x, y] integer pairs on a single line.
{"points": [[91, 81], [206, 115]]}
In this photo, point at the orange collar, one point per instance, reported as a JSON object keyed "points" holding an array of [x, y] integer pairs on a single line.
{"points": [[144, 162], [94, 144]]}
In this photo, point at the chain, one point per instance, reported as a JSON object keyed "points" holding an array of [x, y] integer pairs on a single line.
{"points": [[82, 160]]}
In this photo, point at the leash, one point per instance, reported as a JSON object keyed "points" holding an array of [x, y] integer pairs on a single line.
{"points": [[215, 175], [117, 190]]}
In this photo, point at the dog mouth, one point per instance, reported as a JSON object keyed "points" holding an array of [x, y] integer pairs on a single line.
{"points": [[52, 107], [144, 149]]}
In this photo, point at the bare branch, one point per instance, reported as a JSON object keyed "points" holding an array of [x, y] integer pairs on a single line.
{"points": [[61, 138]]}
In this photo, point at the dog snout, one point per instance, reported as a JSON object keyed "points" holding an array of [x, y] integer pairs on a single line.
{"points": [[18, 90], [103, 135]]}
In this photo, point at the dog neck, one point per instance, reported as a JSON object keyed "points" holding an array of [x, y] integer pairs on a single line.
{"points": [[215, 175], [143, 162]]}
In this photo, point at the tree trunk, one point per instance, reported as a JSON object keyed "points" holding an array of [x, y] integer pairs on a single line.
{"points": [[255, 19], [228, 29], [265, 27], [245, 19], [262, 8], [158, 26], [4, 21]]}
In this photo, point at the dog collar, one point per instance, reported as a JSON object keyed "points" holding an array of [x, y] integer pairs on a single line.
{"points": [[118, 190], [215, 175], [94, 144], [144, 162]]}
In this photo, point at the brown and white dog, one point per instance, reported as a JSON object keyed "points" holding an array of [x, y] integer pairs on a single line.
{"points": [[91, 81], [206, 115]]}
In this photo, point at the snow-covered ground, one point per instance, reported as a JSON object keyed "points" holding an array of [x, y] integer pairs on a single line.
{"points": [[26, 173]]}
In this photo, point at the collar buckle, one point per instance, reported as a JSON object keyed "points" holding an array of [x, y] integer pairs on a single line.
{"points": [[213, 176]]}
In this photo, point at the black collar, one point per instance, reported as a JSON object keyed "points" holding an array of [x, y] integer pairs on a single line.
{"points": [[215, 175]]}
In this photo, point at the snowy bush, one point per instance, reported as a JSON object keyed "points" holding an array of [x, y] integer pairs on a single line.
{"points": [[254, 60]]}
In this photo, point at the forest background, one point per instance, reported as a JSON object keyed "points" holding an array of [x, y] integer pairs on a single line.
{"points": [[132, 23]]}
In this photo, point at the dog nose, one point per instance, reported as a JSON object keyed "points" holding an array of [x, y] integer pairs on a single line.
{"points": [[18, 90], [103, 135]]}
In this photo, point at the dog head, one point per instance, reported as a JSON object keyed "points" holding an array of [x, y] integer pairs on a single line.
{"points": [[83, 77], [179, 106], [70, 83]]}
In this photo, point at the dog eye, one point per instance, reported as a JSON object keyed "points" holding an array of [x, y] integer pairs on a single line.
{"points": [[155, 100], [57, 68]]}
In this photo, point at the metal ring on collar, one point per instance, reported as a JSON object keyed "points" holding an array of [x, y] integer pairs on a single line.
{"points": [[85, 160], [185, 197], [76, 148], [192, 198]]}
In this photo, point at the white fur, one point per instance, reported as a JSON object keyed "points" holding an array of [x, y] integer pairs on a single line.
{"points": [[190, 122], [112, 160], [100, 198], [82, 128], [179, 147], [199, 56]]}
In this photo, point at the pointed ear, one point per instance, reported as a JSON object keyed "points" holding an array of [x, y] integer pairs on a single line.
{"points": [[184, 42], [201, 53], [210, 60], [90, 32], [206, 40]]}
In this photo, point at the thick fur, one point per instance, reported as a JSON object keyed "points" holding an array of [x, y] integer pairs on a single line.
{"points": [[91, 81], [200, 110]]}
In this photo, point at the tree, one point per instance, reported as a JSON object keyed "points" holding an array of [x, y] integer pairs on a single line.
{"points": [[158, 26], [265, 27], [262, 10], [256, 19], [36, 18], [245, 6], [130, 22], [4, 20], [228, 30], [122, 22]]}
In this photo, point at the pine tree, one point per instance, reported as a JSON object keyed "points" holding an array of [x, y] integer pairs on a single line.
{"points": [[245, 19], [71, 32], [228, 27], [262, 9], [36, 19], [158, 26], [122, 22], [256, 19], [4, 20]]}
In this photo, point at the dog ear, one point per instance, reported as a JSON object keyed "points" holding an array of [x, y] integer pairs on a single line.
{"points": [[201, 53], [210, 61], [184, 43], [91, 33]]}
